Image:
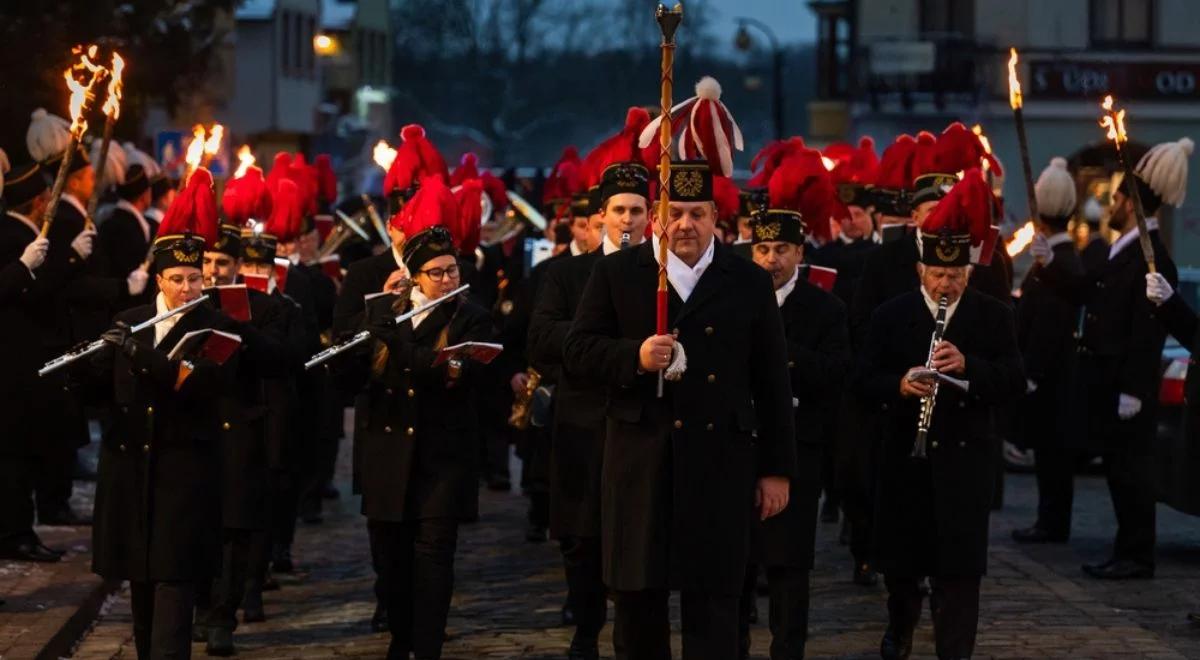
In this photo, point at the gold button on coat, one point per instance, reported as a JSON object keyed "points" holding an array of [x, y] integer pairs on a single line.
{"points": [[410, 431], [679, 423]]}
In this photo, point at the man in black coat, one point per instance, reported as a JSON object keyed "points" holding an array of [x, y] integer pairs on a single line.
{"points": [[818, 345], [123, 241], [577, 433], [1115, 386], [683, 472], [933, 509], [1046, 326]]}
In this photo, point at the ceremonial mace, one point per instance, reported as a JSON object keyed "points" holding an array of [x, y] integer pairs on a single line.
{"points": [[82, 97], [112, 111], [668, 22], [1114, 121], [1016, 101]]}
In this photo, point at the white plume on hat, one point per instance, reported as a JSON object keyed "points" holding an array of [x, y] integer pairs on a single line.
{"points": [[135, 156], [114, 168], [1093, 211], [1055, 190], [1164, 169], [48, 135], [5, 166], [709, 130]]}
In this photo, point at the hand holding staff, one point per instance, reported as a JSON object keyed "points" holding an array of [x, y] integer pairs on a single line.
{"points": [[668, 22]]}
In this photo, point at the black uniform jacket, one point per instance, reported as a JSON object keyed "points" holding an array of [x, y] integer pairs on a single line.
{"points": [[819, 362], [122, 247], [158, 496], [1120, 348], [363, 278], [931, 515], [849, 259], [679, 472], [417, 431], [577, 432]]}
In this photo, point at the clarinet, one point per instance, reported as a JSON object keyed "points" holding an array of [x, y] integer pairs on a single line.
{"points": [[624, 240], [927, 403]]}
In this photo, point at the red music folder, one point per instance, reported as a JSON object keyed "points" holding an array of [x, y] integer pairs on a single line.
{"points": [[822, 277], [209, 344], [331, 265], [234, 301], [259, 283], [478, 351]]}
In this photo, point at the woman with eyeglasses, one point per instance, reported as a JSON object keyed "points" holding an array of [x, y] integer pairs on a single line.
{"points": [[418, 439]]}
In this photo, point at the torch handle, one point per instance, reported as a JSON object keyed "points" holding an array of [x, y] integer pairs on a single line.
{"points": [[1026, 168], [1138, 213], [60, 182], [98, 189]]}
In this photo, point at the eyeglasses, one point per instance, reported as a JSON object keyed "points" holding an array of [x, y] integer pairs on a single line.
{"points": [[439, 273], [191, 280]]}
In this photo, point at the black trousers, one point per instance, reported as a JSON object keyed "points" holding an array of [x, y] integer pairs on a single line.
{"points": [[53, 481], [1131, 486], [955, 606], [162, 618], [788, 596], [16, 498], [416, 562], [586, 593], [221, 602], [1055, 471], [642, 626], [284, 499]]}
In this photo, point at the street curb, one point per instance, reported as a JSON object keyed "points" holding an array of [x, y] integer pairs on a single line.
{"points": [[73, 629]]}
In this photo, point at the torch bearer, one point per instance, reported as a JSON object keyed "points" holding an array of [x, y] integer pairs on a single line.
{"points": [[1114, 121], [112, 111], [668, 22], [1016, 101], [82, 97]]}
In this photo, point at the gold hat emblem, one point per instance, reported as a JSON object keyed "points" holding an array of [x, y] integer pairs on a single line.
{"points": [[947, 251], [767, 231], [185, 257], [688, 183]]}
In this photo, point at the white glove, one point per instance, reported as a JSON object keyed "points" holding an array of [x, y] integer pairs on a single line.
{"points": [[136, 280], [1158, 289], [1128, 407], [83, 243], [678, 364], [1041, 250], [35, 252], [1030, 386]]}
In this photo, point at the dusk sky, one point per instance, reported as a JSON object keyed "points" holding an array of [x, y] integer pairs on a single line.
{"points": [[791, 20]]}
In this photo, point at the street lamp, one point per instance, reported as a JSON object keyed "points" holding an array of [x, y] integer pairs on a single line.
{"points": [[743, 41]]}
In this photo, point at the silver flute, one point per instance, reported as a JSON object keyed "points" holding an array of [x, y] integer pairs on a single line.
{"points": [[325, 355], [67, 358], [927, 403]]}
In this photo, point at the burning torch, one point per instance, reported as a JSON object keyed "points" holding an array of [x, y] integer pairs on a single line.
{"points": [[112, 111], [82, 96], [1114, 121], [1017, 102]]}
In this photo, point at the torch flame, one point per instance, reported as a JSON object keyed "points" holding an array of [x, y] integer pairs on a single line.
{"points": [[1114, 121], [245, 161], [112, 104], [987, 146], [212, 146], [829, 163], [82, 94], [1020, 239], [1014, 83], [384, 154], [195, 150]]}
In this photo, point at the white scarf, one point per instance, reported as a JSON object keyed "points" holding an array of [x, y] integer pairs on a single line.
{"points": [[575, 249], [932, 305], [419, 299], [1130, 236], [166, 325], [784, 291], [682, 276]]}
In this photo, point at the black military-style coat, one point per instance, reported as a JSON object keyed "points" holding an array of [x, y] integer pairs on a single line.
{"points": [[122, 247], [1120, 348], [363, 278], [1095, 254], [1046, 326], [931, 515], [158, 496], [88, 303], [679, 473], [818, 345], [577, 430], [416, 431], [849, 259]]}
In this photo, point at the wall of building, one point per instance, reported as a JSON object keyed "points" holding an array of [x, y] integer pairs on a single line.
{"points": [[249, 109], [887, 19]]}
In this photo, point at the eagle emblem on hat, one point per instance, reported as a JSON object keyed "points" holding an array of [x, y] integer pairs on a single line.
{"points": [[947, 251], [689, 183], [767, 231], [184, 257]]}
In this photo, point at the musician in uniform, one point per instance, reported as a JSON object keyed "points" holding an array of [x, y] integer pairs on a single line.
{"points": [[818, 357], [418, 440], [1119, 370], [683, 474], [577, 432], [932, 517], [1046, 325]]}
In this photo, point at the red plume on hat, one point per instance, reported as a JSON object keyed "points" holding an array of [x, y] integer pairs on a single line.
{"points": [[620, 148], [246, 198], [853, 164], [769, 158], [305, 178], [416, 159], [287, 210], [727, 197], [966, 209], [566, 178], [801, 183], [468, 168], [894, 165], [709, 130], [194, 211], [467, 222], [926, 158], [960, 149], [280, 170], [819, 204], [432, 206], [326, 180]]}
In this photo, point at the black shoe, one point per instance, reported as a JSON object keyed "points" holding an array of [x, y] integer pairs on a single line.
{"points": [[535, 533], [1036, 534], [220, 642], [1120, 569], [379, 620], [281, 560], [328, 492], [895, 646], [64, 517], [568, 615], [252, 604], [583, 649], [30, 551], [865, 576], [829, 511]]}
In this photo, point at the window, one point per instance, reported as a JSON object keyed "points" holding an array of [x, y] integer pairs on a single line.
{"points": [[286, 42], [1122, 23], [310, 55], [948, 17]]}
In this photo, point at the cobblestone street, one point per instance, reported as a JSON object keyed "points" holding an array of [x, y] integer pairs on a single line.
{"points": [[1036, 603]]}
